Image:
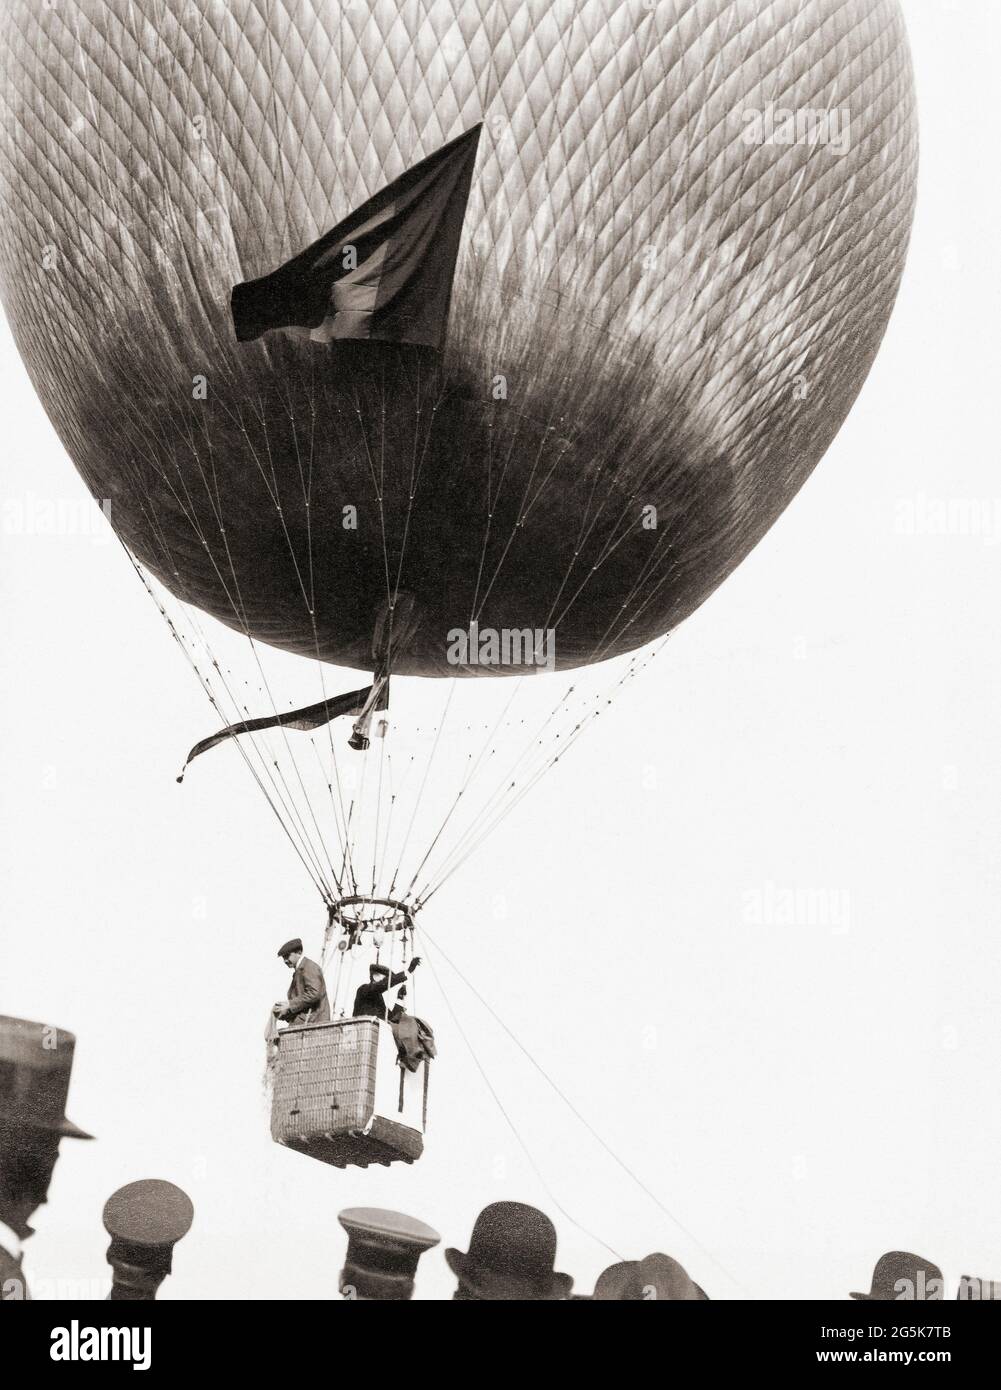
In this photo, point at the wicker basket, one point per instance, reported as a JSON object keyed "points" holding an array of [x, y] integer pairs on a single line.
{"points": [[324, 1098]]}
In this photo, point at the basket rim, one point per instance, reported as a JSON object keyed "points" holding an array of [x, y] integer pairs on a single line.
{"points": [[331, 1023]]}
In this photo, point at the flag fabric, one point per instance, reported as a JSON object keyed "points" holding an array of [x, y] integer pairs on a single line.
{"points": [[384, 273], [312, 717]]}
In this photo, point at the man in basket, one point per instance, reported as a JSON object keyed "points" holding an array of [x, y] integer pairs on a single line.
{"points": [[307, 994]]}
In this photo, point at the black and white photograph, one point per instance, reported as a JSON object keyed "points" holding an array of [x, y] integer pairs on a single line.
{"points": [[500, 557]]}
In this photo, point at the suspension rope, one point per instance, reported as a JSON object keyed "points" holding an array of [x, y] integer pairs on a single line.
{"points": [[191, 610], [285, 798], [236, 603], [316, 878], [417, 801], [506, 782], [470, 773], [293, 809], [514, 793]]}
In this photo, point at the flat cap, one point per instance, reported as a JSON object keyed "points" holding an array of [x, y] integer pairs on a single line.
{"points": [[294, 945]]}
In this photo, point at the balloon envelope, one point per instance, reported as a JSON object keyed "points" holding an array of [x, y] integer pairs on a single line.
{"points": [[666, 299]]}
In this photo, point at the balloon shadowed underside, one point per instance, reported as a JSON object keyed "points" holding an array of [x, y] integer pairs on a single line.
{"points": [[685, 232]]}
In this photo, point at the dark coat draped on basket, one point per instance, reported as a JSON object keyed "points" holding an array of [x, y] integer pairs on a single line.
{"points": [[414, 1038]]}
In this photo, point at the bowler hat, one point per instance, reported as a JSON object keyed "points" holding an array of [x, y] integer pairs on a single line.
{"points": [[294, 945], [511, 1256], [899, 1275], [35, 1065], [655, 1277]]}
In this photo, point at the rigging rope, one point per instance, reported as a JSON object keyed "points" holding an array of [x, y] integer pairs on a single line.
{"points": [[303, 826], [303, 851], [511, 1124], [575, 1112]]}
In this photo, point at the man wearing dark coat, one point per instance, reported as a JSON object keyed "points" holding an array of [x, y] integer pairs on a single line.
{"points": [[307, 994], [35, 1065], [370, 999]]}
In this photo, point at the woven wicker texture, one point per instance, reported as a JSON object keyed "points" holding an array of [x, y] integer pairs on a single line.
{"points": [[153, 152], [324, 1080]]}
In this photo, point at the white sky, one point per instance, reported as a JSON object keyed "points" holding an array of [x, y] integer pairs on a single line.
{"points": [[801, 1096]]}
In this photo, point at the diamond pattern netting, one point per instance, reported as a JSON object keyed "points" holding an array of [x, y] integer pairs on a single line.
{"points": [[650, 283]]}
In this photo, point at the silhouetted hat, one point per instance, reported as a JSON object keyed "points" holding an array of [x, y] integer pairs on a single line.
{"points": [[655, 1277], [511, 1256], [35, 1065], [145, 1220], [150, 1213], [294, 945], [899, 1267], [383, 1250]]}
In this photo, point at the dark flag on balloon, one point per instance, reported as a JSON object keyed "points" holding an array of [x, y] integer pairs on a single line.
{"points": [[385, 273], [374, 696]]}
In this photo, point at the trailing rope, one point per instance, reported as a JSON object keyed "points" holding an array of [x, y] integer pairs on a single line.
{"points": [[511, 1124], [577, 1115]]}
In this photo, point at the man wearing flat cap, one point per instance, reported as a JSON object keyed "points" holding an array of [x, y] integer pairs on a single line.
{"points": [[307, 994], [35, 1065], [511, 1257]]}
